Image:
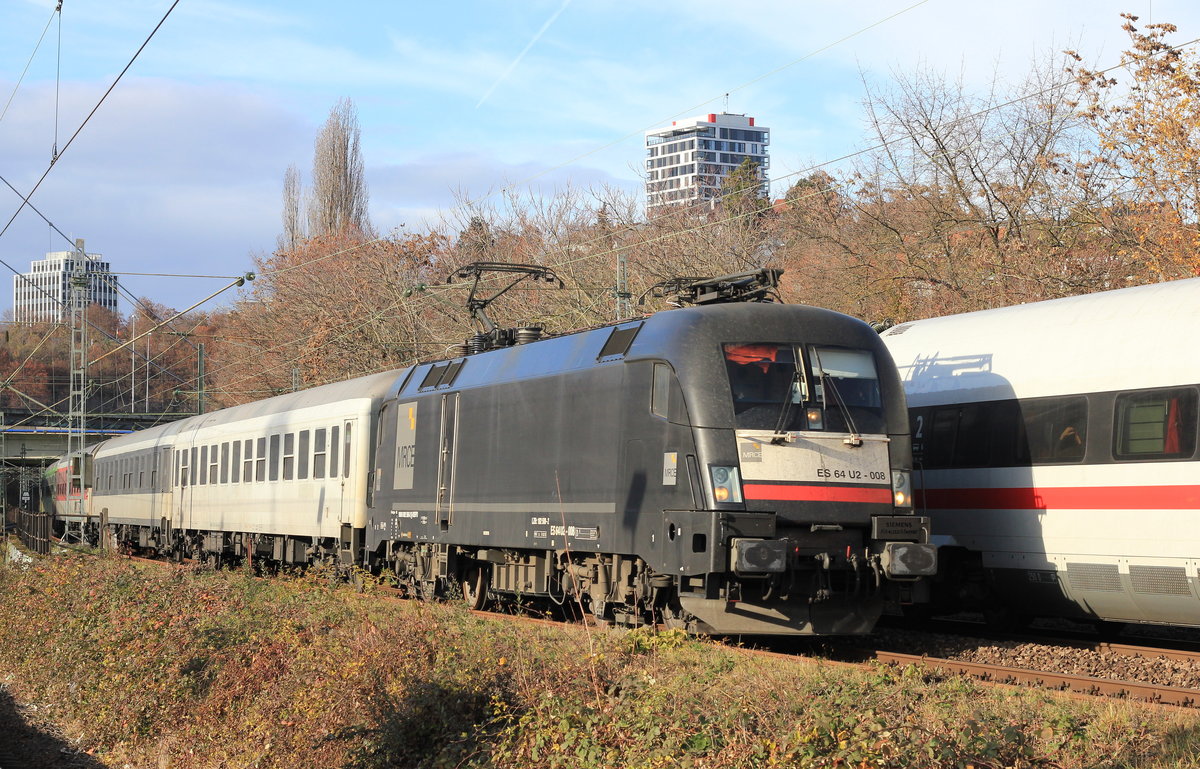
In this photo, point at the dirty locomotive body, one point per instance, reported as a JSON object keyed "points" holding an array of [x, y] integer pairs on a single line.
{"points": [[739, 468]]}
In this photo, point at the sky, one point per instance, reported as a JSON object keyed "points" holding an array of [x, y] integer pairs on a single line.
{"points": [[180, 169]]}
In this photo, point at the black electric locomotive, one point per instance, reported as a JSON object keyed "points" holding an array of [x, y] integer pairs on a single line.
{"points": [[728, 468]]}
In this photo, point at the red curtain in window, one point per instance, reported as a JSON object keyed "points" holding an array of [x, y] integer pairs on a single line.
{"points": [[1171, 444], [762, 354]]}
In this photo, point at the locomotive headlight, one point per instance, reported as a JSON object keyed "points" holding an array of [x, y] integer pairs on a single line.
{"points": [[727, 486], [901, 488], [816, 420]]}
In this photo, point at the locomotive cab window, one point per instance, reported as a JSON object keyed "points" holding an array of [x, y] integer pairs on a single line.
{"points": [[660, 394], [1159, 424], [785, 387]]}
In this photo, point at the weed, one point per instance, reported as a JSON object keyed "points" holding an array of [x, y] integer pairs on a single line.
{"points": [[205, 669]]}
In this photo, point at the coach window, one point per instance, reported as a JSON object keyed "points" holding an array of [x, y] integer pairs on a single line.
{"points": [[289, 456], [1001, 425], [248, 461], [1159, 424], [260, 460], [198, 464], [273, 459], [225, 462], [302, 455], [214, 464], [941, 434], [235, 462], [141, 472], [346, 452], [319, 453], [1055, 429], [333, 451]]}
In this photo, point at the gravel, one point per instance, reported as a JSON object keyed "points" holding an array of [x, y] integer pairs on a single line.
{"points": [[1036, 656]]}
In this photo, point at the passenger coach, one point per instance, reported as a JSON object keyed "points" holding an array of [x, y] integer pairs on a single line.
{"points": [[1055, 451]]}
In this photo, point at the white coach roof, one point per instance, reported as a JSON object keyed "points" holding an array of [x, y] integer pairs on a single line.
{"points": [[1130, 338]]}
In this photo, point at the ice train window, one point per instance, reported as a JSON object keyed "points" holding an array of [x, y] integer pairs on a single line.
{"points": [[1055, 429], [235, 464], [1159, 424]]}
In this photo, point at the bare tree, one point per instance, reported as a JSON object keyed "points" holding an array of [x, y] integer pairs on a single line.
{"points": [[338, 200], [293, 225]]}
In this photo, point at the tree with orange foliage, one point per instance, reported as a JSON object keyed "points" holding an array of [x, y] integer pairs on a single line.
{"points": [[1147, 160]]}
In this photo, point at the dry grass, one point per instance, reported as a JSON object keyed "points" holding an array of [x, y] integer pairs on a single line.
{"points": [[153, 666]]}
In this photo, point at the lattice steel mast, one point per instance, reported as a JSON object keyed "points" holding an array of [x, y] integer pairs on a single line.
{"points": [[77, 411]]}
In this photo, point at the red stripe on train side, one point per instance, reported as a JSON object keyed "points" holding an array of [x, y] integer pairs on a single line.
{"points": [[778, 492], [1065, 498]]}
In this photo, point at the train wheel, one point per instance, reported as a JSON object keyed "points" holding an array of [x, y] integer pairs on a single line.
{"points": [[475, 587]]}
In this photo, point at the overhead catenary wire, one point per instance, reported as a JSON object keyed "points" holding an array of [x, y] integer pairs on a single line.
{"points": [[25, 199], [431, 290], [56, 12], [56, 154], [87, 119], [732, 218], [57, 84], [807, 170], [843, 158]]}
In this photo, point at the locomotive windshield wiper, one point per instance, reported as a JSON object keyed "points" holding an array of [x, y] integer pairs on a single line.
{"points": [[786, 412], [855, 439]]}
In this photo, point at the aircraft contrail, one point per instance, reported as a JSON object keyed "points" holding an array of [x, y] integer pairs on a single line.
{"points": [[521, 55]]}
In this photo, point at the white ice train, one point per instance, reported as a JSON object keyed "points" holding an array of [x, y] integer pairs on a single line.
{"points": [[1055, 449]]}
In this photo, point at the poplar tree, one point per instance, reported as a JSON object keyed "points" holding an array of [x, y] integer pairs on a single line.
{"points": [[337, 203]]}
